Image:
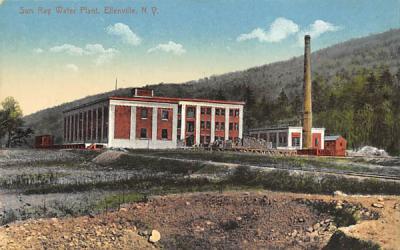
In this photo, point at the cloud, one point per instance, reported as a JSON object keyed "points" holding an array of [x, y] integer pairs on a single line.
{"points": [[280, 29], [68, 48], [170, 47], [101, 54], [1, 1], [316, 29], [72, 67], [37, 50], [125, 33]]}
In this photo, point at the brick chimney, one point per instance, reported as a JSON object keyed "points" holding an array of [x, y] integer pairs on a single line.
{"points": [[307, 115]]}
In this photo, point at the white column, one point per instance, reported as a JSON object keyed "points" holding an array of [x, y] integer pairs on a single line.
{"points": [[226, 124], [70, 128], [92, 136], [198, 111], [133, 124], [277, 139], [111, 118], [154, 125], [97, 124], [301, 138], [102, 123], [86, 125], [212, 125], [241, 122], [289, 138], [183, 121], [175, 124]]}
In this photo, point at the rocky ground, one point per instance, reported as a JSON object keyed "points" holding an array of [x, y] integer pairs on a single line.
{"points": [[231, 220]]}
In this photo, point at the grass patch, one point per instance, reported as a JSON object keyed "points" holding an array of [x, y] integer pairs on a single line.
{"points": [[259, 160], [242, 177], [141, 162], [116, 200]]}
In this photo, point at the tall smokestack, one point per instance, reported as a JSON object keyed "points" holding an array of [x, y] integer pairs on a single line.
{"points": [[307, 116]]}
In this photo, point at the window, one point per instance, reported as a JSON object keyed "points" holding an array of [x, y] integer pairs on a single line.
{"points": [[208, 111], [217, 126], [202, 140], [316, 142], [179, 123], [190, 127], [202, 124], [208, 139], [230, 126], [180, 109], [143, 133], [217, 111], [208, 125], [164, 115], [236, 126], [272, 136], [89, 135], [164, 133], [237, 112], [231, 112], [84, 126], [105, 130], [222, 127], [203, 111], [222, 111], [296, 142], [143, 113], [190, 112], [99, 123]]}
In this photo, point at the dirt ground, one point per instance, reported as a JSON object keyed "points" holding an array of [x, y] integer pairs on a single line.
{"points": [[231, 220]]}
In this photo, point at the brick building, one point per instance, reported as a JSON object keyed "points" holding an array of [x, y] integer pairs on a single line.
{"points": [[336, 145], [146, 121]]}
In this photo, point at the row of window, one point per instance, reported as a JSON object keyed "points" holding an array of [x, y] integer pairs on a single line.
{"points": [[191, 111], [144, 114], [145, 135], [87, 126]]}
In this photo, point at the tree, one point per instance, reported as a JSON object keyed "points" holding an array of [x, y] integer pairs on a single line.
{"points": [[220, 95], [11, 123]]}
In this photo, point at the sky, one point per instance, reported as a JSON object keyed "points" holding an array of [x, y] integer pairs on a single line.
{"points": [[48, 58]]}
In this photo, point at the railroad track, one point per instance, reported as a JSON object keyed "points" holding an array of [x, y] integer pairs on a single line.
{"points": [[339, 172], [290, 169]]}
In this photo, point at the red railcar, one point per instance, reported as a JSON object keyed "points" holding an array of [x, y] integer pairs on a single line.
{"points": [[336, 144], [44, 141]]}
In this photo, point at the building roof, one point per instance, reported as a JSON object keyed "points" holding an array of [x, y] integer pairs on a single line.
{"points": [[87, 104], [332, 137], [280, 127], [174, 100], [154, 99]]}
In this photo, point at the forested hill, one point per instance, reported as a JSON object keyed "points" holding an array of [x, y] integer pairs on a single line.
{"points": [[273, 91]]}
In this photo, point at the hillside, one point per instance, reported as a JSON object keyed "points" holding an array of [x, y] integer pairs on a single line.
{"points": [[258, 84]]}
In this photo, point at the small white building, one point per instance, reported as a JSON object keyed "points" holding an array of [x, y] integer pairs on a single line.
{"points": [[288, 137]]}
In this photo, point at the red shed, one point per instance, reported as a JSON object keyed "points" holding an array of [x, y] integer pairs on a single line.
{"points": [[44, 141], [336, 145]]}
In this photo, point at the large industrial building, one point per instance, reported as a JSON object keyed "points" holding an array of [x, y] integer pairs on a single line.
{"points": [[146, 121]]}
